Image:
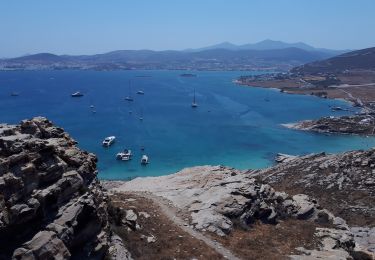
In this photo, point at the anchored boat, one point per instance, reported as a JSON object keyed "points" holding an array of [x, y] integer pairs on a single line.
{"points": [[125, 155], [194, 104], [108, 141], [77, 94], [129, 97], [144, 160]]}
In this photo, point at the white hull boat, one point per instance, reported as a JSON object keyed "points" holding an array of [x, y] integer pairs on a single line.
{"points": [[108, 141], [126, 155], [144, 160]]}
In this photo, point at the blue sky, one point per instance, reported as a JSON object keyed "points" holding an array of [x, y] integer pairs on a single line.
{"points": [[97, 26]]}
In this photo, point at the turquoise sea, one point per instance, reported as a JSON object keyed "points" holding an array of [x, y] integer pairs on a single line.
{"points": [[233, 125]]}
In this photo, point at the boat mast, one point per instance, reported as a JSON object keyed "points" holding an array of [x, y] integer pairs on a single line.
{"points": [[130, 92]]}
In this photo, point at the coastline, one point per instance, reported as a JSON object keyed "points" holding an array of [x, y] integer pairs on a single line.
{"points": [[292, 91]]}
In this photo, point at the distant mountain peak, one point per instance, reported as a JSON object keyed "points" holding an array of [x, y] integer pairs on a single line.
{"points": [[269, 44]]}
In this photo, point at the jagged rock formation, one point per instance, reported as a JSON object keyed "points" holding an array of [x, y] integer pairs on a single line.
{"points": [[51, 205], [343, 183], [218, 198]]}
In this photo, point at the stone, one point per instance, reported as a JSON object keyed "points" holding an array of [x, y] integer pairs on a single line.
{"points": [[49, 198], [44, 245], [305, 207], [130, 215]]}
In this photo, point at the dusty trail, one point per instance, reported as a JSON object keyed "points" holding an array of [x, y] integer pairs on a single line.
{"points": [[172, 213]]}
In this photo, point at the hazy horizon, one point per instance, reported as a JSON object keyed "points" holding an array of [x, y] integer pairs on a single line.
{"points": [[91, 27]]}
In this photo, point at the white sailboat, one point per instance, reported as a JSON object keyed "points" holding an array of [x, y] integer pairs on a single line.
{"points": [[129, 97], [194, 104], [141, 115]]}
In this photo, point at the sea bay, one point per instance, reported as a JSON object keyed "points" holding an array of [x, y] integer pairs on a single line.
{"points": [[233, 125]]}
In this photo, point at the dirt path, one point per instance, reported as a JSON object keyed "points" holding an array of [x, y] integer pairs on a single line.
{"points": [[172, 213]]}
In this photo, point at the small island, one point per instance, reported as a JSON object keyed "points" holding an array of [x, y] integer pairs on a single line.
{"points": [[188, 75]]}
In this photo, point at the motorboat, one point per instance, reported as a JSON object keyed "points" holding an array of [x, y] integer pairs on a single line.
{"points": [[14, 94], [140, 92], [77, 94], [108, 141], [144, 159], [125, 155]]}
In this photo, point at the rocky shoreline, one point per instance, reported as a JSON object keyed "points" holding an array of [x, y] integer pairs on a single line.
{"points": [[361, 124], [52, 206], [354, 86]]}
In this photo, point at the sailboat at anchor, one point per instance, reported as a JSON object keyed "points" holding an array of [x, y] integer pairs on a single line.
{"points": [[194, 104], [129, 97]]}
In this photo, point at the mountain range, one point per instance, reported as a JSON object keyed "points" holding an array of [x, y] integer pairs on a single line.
{"points": [[269, 45], [273, 55]]}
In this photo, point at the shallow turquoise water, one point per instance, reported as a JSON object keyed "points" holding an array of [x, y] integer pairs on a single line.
{"points": [[233, 125]]}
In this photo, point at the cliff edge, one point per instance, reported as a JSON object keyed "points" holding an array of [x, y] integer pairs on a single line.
{"points": [[51, 204]]}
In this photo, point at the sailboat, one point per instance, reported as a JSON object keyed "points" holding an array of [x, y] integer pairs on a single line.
{"points": [[194, 104], [141, 116], [129, 98]]}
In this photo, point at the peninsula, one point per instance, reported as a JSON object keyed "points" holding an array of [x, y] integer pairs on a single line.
{"points": [[349, 76]]}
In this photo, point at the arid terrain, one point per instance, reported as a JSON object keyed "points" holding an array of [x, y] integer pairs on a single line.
{"points": [[356, 86], [349, 76]]}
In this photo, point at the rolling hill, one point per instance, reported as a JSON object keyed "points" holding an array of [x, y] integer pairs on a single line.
{"points": [[356, 60]]}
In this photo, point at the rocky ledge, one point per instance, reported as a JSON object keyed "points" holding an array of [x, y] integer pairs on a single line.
{"points": [[363, 124], [219, 199], [51, 204]]}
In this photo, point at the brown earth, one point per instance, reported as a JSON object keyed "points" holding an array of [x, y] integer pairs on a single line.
{"points": [[354, 85], [261, 241], [171, 241], [264, 241]]}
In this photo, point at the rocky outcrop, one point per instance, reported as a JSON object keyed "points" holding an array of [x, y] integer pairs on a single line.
{"points": [[343, 183], [363, 124], [51, 204], [218, 198]]}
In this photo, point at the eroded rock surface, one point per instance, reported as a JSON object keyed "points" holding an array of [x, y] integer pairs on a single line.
{"points": [[51, 205], [217, 198], [342, 183]]}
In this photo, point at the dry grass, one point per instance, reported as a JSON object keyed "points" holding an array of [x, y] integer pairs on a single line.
{"points": [[171, 241], [264, 241]]}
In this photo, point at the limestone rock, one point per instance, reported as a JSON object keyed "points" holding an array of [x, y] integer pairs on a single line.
{"points": [[50, 200]]}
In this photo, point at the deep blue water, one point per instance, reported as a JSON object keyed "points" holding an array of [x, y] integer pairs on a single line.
{"points": [[233, 125]]}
